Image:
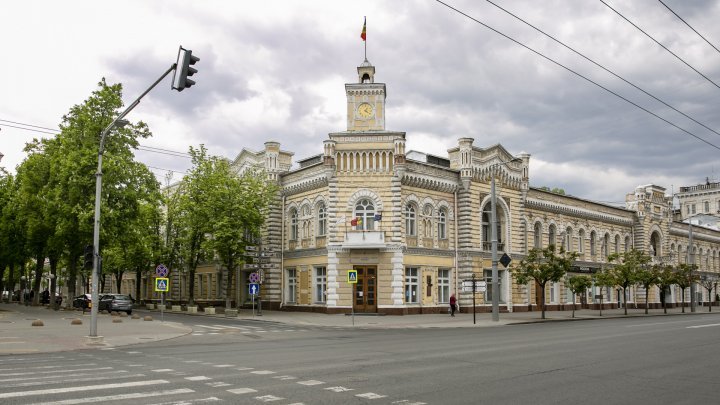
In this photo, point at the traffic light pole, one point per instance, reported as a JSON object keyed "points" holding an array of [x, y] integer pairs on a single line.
{"points": [[117, 122]]}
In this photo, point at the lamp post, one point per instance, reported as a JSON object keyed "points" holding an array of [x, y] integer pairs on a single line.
{"points": [[691, 260], [494, 242], [23, 298], [118, 122]]}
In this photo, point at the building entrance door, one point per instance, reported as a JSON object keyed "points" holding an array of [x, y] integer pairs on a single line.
{"points": [[365, 290]]}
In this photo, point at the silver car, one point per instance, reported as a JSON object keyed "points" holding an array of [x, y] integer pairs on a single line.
{"points": [[116, 302]]}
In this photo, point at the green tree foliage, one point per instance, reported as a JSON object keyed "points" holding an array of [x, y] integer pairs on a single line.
{"points": [[555, 190], [578, 285], [684, 277], [602, 279], [709, 282], [647, 277], [626, 270], [190, 211], [543, 266], [239, 206], [665, 278]]}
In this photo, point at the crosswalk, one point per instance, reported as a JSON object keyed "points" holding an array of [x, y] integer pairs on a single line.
{"points": [[94, 378], [217, 329]]}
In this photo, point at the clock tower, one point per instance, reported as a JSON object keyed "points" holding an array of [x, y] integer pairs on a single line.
{"points": [[365, 101]]}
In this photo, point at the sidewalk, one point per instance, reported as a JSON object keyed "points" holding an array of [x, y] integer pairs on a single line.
{"points": [[17, 335]]}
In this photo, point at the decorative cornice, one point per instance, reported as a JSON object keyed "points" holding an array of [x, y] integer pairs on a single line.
{"points": [[430, 252], [576, 211], [298, 253], [428, 182]]}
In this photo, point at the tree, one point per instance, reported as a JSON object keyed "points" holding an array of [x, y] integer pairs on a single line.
{"points": [[190, 209], [709, 282], [73, 163], [578, 285], [543, 266], [665, 278], [684, 277], [625, 272], [602, 279], [646, 277], [239, 206]]}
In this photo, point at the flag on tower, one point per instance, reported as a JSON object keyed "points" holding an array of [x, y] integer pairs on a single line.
{"points": [[363, 33]]}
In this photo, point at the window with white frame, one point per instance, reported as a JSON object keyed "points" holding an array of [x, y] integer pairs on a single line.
{"points": [[707, 206], [411, 285], [320, 284], [692, 207], [553, 293], [293, 224], [201, 288], [442, 224], [365, 214], [489, 289], [291, 280], [410, 220], [321, 220], [443, 282]]}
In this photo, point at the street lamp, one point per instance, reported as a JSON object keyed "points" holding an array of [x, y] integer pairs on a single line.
{"points": [[494, 242], [23, 298], [118, 122]]}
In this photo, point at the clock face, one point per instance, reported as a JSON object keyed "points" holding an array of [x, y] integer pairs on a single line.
{"points": [[365, 110]]}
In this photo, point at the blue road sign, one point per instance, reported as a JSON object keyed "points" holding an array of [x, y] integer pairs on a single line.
{"points": [[254, 289], [161, 270], [162, 284]]}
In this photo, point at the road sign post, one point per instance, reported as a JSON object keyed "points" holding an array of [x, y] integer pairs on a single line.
{"points": [[352, 279], [162, 285]]}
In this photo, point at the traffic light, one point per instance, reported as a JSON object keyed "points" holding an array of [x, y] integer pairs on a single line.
{"points": [[89, 255], [183, 69]]}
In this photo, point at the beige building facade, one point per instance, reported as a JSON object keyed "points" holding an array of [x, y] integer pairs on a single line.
{"points": [[413, 226]]}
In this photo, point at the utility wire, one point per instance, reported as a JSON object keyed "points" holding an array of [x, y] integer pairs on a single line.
{"points": [[663, 46], [55, 132], [577, 74], [605, 69], [689, 26]]}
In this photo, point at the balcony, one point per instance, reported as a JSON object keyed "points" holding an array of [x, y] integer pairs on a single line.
{"points": [[487, 246], [364, 240]]}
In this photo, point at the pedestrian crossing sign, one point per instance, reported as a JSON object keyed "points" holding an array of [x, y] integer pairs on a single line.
{"points": [[162, 284], [352, 276]]}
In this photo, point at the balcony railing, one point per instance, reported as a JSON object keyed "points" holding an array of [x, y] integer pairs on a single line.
{"points": [[364, 239], [487, 246]]}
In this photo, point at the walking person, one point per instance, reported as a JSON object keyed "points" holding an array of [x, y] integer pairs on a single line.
{"points": [[453, 303]]}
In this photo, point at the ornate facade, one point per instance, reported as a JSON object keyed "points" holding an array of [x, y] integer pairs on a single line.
{"points": [[414, 225]]}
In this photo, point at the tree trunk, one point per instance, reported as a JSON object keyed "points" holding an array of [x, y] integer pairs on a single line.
{"points": [[2, 281], [11, 279], [53, 282], [228, 289], [573, 315], [646, 299], [682, 303], [625, 299], [72, 276], [542, 300], [138, 286], [118, 279], [39, 263]]}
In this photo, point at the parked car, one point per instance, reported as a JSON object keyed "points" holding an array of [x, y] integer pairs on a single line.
{"points": [[82, 301], [116, 302]]}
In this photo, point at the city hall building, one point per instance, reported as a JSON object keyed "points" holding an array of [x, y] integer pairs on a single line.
{"points": [[412, 226]]}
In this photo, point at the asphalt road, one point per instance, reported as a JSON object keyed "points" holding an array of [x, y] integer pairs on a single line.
{"points": [[658, 360]]}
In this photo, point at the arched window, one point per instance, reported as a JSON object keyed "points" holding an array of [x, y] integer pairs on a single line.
{"points": [[321, 219], [606, 245], [442, 224], [551, 236], [293, 224], [592, 244], [626, 248], [410, 224], [567, 240], [365, 215], [427, 220], [538, 236], [581, 241], [306, 221], [617, 243]]}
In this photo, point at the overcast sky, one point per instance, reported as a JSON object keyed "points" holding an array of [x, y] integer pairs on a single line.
{"points": [[275, 70]]}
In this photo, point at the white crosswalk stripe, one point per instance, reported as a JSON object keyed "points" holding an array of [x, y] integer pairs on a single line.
{"points": [[17, 394], [134, 395]]}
